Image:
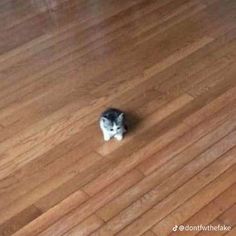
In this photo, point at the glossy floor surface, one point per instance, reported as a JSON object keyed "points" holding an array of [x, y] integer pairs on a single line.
{"points": [[169, 64]]}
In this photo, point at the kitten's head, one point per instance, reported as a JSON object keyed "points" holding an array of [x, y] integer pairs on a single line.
{"points": [[115, 126]]}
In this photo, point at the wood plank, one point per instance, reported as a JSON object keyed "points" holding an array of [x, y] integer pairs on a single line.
{"points": [[159, 192], [231, 232], [37, 152], [55, 213], [182, 84], [211, 81], [79, 214], [118, 204], [38, 193], [36, 138], [86, 227], [202, 198], [137, 157], [199, 131], [211, 211], [69, 58], [118, 170], [149, 233], [169, 65], [48, 160], [19, 220], [173, 201], [227, 218], [151, 120], [211, 107]]}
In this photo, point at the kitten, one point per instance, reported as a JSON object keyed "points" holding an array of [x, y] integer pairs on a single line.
{"points": [[112, 124]]}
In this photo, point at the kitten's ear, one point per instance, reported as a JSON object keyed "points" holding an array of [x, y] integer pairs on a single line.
{"points": [[105, 120], [121, 117]]}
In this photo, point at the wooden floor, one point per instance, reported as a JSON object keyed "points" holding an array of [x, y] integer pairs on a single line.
{"points": [[170, 64]]}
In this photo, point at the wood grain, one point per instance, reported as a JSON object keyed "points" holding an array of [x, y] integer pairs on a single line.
{"points": [[169, 65], [86, 227], [211, 211]]}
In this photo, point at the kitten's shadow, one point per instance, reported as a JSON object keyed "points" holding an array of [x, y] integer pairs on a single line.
{"points": [[132, 121]]}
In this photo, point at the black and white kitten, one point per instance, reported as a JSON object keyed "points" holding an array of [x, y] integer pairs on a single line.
{"points": [[112, 124]]}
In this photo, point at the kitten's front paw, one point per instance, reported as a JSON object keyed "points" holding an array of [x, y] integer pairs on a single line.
{"points": [[107, 138], [119, 137]]}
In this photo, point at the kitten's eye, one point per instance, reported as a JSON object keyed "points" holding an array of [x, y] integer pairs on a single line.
{"points": [[118, 128], [111, 129]]}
